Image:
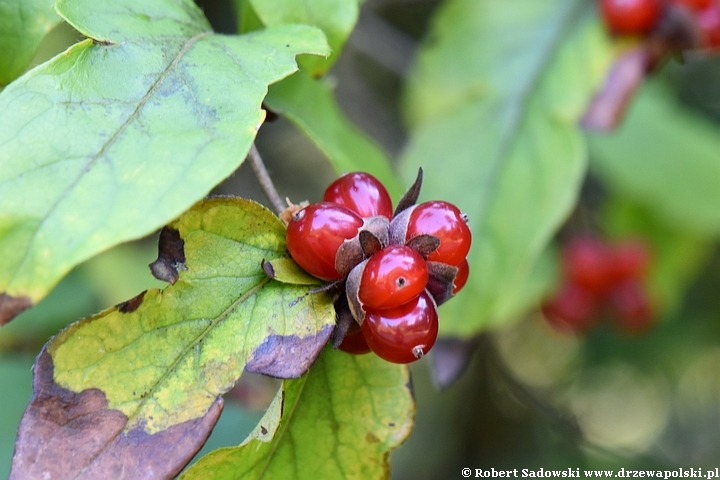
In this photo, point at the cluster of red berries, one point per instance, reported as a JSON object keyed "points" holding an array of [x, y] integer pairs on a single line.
{"points": [[700, 18], [389, 269], [598, 277]]}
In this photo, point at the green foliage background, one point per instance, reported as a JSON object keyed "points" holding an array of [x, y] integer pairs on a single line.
{"points": [[489, 109]]}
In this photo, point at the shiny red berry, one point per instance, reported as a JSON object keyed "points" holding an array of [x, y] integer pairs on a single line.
{"points": [[362, 193], [354, 341], [630, 306], [461, 277], [316, 232], [444, 221], [405, 333], [631, 17], [586, 262], [572, 309], [709, 21], [393, 276]]}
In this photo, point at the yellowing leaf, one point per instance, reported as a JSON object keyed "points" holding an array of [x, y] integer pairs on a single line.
{"points": [[153, 368]]}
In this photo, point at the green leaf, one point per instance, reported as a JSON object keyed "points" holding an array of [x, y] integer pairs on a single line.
{"points": [[677, 255], [336, 18], [124, 131], [152, 369], [340, 420], [494, 99], [23, 25], [310, 105], [247, 19], [665, 157]]}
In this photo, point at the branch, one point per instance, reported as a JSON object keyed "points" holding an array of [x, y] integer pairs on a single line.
{"points": [[264, 179]]}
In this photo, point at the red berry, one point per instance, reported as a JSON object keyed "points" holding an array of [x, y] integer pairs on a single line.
{"points": [[572, 309], [461, 277], [586, 262], [354, 341], [630, 306], [709, 22], [631, 17], [362, 193], [405, 333], [393, 276], [694, 4], [316, 232], [444, 221], [629, 259]]}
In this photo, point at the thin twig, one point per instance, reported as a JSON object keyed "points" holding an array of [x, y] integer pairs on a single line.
{"points": [[264, 179]]}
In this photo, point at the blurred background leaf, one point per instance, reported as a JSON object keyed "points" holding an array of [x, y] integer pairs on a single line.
{"points": [[23, 25], [336, 18], [665, 156], [309, 104], [493, 103]]}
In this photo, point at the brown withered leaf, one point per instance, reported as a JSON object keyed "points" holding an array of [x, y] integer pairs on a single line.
{"points": [[84, 439], [11, 307], [144, 378]]}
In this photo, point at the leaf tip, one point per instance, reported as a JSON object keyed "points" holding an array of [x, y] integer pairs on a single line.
{"points": [[11, 307]]}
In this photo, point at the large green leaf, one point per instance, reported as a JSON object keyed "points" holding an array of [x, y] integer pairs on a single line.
{"points": [[23, 25], [340, 421], [124, 131], [149, 372], [667, 158], [336, 18], [310, 105], [494, 100]]}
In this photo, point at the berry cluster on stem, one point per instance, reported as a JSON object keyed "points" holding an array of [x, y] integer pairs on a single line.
{"points": [[682, 23], [601, 277], [389, 269]]}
